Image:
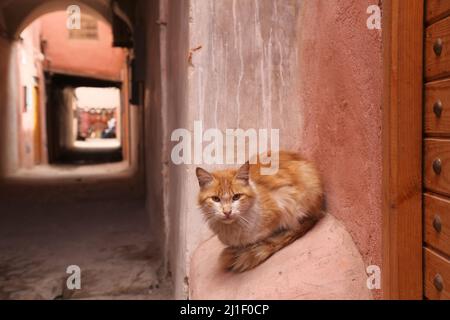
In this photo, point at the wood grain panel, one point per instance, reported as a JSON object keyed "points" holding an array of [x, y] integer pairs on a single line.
{"points": [[436, 265], [434, 125], [437, 66], [437, 210], [437, 149], [403, 36], [436, 10]]}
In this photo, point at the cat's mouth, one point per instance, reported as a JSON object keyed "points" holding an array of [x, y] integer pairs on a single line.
{"points": [[228, 220]]}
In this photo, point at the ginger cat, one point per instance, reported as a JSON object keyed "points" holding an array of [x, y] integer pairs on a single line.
{"points": [[256, 215]]}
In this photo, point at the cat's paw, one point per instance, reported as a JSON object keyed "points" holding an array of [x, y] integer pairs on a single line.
{"points": [[245, 259], [238, 260], [228, 258]]}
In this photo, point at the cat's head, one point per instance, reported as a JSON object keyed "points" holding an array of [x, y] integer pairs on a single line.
{"points": [[225, 196]]}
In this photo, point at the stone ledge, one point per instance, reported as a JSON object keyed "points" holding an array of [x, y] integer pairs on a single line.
{"points": [[324, 264]]}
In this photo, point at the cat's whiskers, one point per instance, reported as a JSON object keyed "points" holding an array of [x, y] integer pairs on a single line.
{"points": [[246, 222], [209, 216]]}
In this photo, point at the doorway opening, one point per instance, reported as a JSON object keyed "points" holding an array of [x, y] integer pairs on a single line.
{"points": [[85, 120]]}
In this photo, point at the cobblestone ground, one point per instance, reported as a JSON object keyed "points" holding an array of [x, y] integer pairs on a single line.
{"points": [[108, 238]]}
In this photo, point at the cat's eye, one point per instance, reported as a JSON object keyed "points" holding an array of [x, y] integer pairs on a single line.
{"points": [[215, 199], [237, 196]]}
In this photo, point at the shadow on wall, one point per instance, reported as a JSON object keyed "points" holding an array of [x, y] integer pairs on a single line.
{"points": [[8, 116]]}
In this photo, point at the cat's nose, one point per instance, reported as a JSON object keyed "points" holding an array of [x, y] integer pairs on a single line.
{"points": [[227, 213]]}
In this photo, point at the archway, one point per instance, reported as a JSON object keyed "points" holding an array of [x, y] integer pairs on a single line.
{"points": [[79, 59], [18, 16], [15, 17]]}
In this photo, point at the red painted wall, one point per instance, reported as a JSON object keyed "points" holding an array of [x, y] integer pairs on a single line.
{"points": [[81, 56], [341, 67]]}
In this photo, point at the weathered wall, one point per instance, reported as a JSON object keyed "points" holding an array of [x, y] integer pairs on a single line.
{"points": [[20, 67], [23, 130], [309, 68], [245, 75], [9, 96], [177, 114], [165, 104], [234, 78], [31, 123]]}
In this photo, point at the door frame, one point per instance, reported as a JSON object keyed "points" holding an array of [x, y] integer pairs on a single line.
{"points": [[403, 36], [37, 124]]}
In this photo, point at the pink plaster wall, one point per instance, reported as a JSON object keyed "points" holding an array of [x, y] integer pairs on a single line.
{"points": [[29, 67], [341, 88], [9, 96], [86, 57], [311, 69]]}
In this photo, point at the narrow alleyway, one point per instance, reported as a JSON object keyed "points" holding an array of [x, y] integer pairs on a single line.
{"points": [[72, 165]]}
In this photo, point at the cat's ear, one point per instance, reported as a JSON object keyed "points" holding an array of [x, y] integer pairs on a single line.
{"points": [[204, 177], [243, 173]]}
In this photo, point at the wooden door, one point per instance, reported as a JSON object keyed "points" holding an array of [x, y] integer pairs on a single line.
{"points": [[436, 150], [416, 149], [403, 26]]}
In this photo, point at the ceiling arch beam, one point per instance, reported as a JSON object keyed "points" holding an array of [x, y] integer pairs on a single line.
{"points": [[20, 13]]}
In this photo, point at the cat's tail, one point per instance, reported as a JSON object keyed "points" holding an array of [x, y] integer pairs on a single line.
{"points": [[240, 259]]}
